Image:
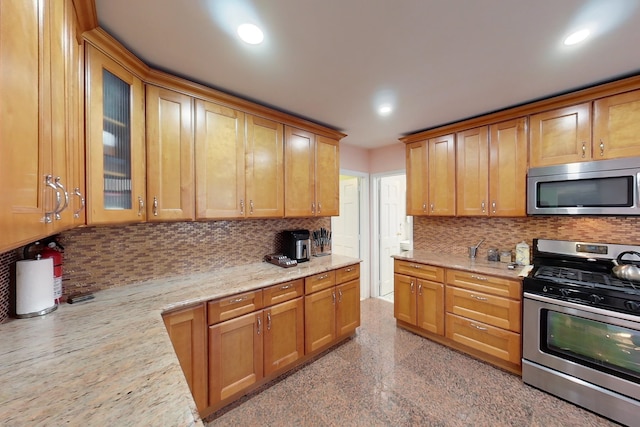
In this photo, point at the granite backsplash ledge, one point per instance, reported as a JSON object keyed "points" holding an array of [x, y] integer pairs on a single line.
{"points": [[98, 258]]}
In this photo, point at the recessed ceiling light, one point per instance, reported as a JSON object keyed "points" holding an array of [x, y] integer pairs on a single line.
{"points": [[385, 109], [576, 37], [250, 33]]}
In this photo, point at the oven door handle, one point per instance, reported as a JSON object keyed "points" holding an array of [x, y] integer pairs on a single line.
{"points": [[582, 307]]}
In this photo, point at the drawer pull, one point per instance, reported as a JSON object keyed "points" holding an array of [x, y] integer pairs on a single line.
{"points": [[480, 328], [478, 298], [285, 287], [416, 266], [473, 276], [235, 300], [349, 270], [324, 276]]}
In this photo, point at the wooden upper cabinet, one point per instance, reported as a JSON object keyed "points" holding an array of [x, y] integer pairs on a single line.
{"points": [[508, 168], [220, 161], [417, 191], [327, 176], [264, 168], [442, 175], [472, 158], [560, 136], [170, 155], [299, 173], [40, 128], [616, 126], [116, 178]]}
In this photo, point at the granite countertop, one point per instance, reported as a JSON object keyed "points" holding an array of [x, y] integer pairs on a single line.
{"points": [[461, 262], [109, 361]]}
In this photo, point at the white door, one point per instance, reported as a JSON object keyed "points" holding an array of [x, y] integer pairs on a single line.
{"points": [[345, 229], [392, 208]]}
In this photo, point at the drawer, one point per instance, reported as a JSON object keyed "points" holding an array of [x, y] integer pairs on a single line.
{"points": [[282, 292], [488, 339], [347, 274], [319, 282], [421, 271], [487, 284], [493, 310], [233, 306]]}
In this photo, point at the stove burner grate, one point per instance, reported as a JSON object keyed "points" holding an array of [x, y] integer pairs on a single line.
{"points": [[580, 277]]}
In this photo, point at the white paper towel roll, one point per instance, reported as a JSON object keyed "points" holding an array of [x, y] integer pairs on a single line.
{"points": [[34, 287]]}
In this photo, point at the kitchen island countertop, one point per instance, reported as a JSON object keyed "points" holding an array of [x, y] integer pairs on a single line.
{"points": [[110, 361], [460, 262]]}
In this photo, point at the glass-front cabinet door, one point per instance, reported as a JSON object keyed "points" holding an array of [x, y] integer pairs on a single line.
{"points": [[115, 142]]}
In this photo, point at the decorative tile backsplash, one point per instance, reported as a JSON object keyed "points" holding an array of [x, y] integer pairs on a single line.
{"points": [[102, 257], [454, 235]]}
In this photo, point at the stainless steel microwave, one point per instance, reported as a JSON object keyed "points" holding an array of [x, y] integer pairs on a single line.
{"points": [[604, 187]]}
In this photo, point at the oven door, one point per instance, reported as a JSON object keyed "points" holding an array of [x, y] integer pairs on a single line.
{"points": [[597, 346]]}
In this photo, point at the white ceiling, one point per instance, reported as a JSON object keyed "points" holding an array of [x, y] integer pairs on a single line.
{"points": [[330, 60]]}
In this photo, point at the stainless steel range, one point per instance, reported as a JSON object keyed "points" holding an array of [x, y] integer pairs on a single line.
{"points": [[581, 327]]}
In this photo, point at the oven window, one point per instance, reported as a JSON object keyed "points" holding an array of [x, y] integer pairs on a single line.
{"points": [[598, 345], [588, 193]]}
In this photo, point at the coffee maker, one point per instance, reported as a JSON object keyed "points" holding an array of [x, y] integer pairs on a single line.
{"points": [[296, 245]]}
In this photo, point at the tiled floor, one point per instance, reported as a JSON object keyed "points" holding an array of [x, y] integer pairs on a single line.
{"points": [[386, 376]]}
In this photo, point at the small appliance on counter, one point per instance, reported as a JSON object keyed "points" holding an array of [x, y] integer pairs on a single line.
{"points": [[296, 245]]}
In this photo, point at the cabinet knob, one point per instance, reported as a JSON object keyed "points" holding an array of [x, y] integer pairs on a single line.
{"points": [[140, 205], [76, 192]]}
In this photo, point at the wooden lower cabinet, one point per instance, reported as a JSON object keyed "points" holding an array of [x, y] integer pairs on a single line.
{"points": [[332, 313], [187, 330], [487, 339], [235, 356], [471, 312], [283, 335]]}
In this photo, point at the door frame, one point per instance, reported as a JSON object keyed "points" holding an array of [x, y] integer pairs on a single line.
{"points": [[365, 255], [375, 229]]}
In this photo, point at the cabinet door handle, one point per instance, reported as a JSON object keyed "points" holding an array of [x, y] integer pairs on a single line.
{"points": [[473, 276], [480, 328], [155, 206], [584, 149], [250, 207], [268, 320], [412, 286], [140, 205], [482, 205], [601, 148], [259, 324], [241, 206], [319, 207], [432, 206], [420, 289], [339, 295], [424, 207], [333, 295], [493, 206], [236, 300], [66, 198], [49, 183], [76, 191], [313, 208], [478, 298]]}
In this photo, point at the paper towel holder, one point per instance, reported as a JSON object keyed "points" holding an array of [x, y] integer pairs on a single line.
{"points": [[34, 288]]}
